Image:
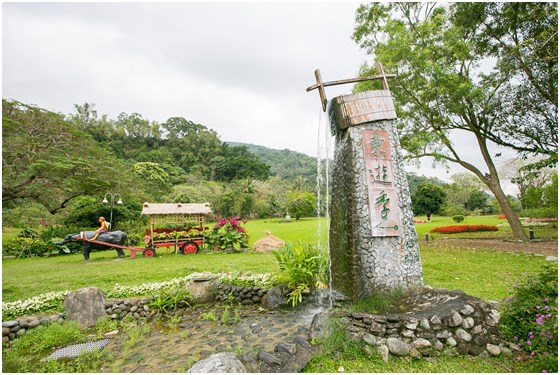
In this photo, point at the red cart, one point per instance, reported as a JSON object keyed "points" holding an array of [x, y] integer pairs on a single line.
{"points": [[184, 240]]}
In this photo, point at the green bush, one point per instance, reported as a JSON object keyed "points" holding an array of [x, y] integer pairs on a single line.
{"points": [[304, 266], [530, 318], [539, 212], [458, 218]]}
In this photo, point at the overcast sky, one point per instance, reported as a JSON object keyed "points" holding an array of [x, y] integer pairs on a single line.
{"points": [[238, 68]]}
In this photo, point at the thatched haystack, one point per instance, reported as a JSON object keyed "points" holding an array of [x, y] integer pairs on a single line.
{"points": [[268, 243]]}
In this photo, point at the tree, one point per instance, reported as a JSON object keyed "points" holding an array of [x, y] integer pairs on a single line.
{"points": [[428, 199], [523, 38], [85, 211], [440, 90], [237, 163], [477, 200], [156, 179], [301, 204], [414, 181], [192, 145], [47, 160]]}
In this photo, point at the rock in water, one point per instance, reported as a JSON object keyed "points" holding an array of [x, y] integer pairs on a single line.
{"points": [[85, 306], [220, 362]]}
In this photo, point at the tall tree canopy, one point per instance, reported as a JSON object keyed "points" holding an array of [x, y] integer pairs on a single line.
{"points": [[441, 89], [48, 160], [523, 38], [427, 199]]}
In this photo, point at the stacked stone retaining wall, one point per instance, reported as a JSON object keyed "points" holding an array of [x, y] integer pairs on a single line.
{"points": [[18, 327], [136, 308], [436, 322], [246, 295]]}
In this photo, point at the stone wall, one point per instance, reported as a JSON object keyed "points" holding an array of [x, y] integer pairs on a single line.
{"points": [[118, 308], [135, 308], [246, 295], [361, 263], [437, 322], [18, 327]]}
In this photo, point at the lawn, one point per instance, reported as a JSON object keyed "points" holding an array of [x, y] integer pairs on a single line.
{"points": [[482, 273]]}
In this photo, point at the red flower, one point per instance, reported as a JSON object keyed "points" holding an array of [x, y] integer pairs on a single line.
{"points": [[464, 228]]}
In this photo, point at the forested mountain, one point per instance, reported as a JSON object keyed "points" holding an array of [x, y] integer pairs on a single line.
{"points": [[58, 167], [284, 163]]}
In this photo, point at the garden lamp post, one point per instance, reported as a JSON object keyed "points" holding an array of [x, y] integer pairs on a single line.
{"points": [[105, 201]]}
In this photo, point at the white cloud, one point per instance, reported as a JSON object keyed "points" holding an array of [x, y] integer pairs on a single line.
{"points": [[238, 68]]}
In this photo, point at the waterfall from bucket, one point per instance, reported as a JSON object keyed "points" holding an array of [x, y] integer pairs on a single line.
{"points": [[324, 147]]}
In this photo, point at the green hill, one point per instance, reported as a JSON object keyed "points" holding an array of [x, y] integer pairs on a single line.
{"points": [[285, 163]]}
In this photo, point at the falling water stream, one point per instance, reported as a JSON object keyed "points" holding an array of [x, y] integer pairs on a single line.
{"points": [[324, 147]]}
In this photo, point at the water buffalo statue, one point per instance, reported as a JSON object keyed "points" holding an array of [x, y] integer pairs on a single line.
{"points": [[116, 238]]}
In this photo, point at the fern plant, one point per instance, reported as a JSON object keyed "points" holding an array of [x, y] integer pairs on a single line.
{"points": [[304, 266]]}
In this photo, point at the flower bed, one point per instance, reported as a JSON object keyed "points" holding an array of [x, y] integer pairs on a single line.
{"points": [[174, 233], [228, 234], [465, 228]]}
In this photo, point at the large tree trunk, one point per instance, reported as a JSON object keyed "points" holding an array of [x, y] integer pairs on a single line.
{"points": [[492, 180], [510, 214]]}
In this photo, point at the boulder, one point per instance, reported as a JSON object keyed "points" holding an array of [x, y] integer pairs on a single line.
{"points": [[320, 326], [220, 362], [202, 290], [85, 306], [274, 297], [397, 346]]}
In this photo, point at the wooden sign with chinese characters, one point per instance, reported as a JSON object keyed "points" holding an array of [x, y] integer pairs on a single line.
{"points": [[383, 198]]}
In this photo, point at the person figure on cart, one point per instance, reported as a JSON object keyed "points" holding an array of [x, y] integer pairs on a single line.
{"points": [[102, 229]]}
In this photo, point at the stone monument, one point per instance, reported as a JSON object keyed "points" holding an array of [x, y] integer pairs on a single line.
{"points": [[373, 242]]}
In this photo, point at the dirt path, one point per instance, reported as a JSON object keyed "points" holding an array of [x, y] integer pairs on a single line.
{"points": [[545, 248]]}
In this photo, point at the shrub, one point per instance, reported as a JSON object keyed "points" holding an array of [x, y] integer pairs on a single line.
{"points": [[227, 234], [170, 301], [530, 318], [464, 228], [304, 266], [458, 218], [539, 212]]}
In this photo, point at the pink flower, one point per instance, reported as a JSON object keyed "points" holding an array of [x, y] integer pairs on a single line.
{"points": [[528, 342], [533, 354]]}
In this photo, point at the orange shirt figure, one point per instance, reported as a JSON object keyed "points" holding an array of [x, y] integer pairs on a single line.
{"points": [[102, 229]]}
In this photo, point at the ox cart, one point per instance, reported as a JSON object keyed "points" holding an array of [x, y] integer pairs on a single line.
{"points": [[186, 237]]}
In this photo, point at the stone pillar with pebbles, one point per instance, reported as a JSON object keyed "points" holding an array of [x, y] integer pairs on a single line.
{"points": [[373, 242]]}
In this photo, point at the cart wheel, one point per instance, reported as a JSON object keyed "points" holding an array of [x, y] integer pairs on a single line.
{"points": [[189, 247], [149, 252]]}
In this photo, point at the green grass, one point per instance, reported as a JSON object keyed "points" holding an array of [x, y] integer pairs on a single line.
{"points": [[24, 278], [304, 230], [481, 273], [358, 361]]}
